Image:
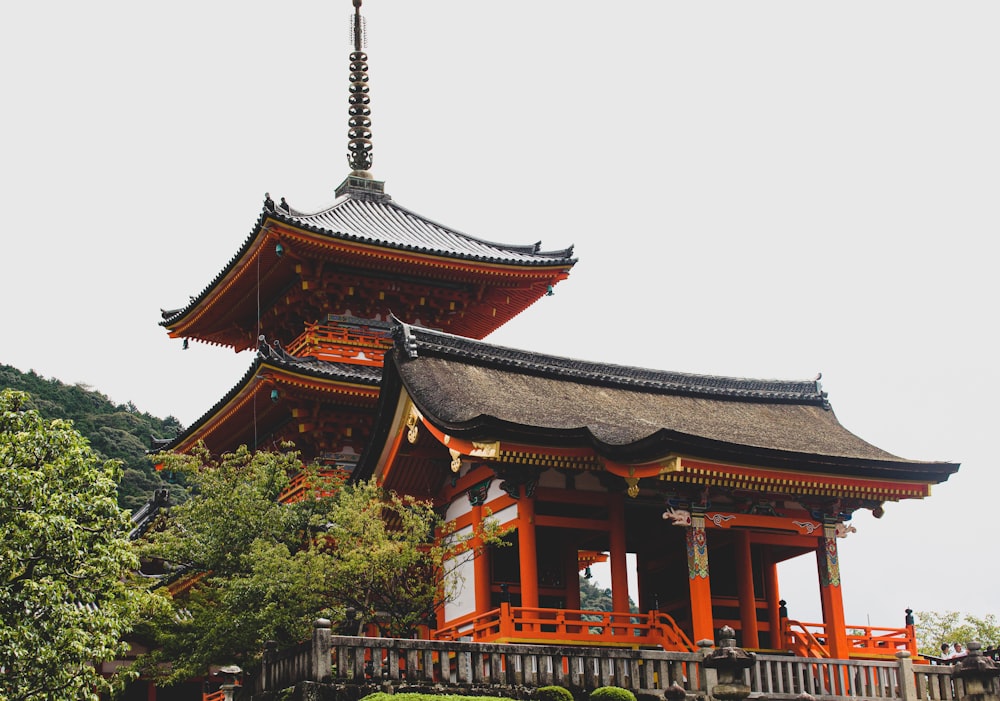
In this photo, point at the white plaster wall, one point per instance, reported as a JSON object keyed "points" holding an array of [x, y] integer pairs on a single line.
{"points": [[505, 516], [464, 581], [458, 507]]}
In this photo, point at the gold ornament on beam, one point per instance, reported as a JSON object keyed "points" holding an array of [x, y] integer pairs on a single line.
{"points": [[456, 460], [633, 486], [411, 425]]}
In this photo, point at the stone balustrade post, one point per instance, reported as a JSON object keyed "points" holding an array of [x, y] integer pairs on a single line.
{"points": [[708, 677], [907, 682], [322, 662], [729, 662], [977, 674]]}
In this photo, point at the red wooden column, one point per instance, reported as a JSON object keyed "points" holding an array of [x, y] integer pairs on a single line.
{"points": [[702, 626], [481, 564], [571, 576], [527, 551], [744, 590], [773, 597], [830, 594], [619, 561]]}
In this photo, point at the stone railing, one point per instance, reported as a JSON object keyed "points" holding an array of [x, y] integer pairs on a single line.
{"points": [[709, 673]]}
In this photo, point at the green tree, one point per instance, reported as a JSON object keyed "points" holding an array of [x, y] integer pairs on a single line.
{"points": [[67, 595], [263, 569], [936, 627], [118, 432]]}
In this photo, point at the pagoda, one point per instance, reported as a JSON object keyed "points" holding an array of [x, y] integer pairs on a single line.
{"points": [[710, 482], [313, 293]]}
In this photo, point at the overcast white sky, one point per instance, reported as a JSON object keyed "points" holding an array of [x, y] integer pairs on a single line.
{"points": [[761, 189]]}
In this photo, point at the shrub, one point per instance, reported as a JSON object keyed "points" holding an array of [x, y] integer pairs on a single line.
{"points": [[611, 693], [553, 693]]}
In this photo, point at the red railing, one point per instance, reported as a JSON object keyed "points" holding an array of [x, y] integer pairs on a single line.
{"points": [[340, 344], [523, 624], [811, 640]]}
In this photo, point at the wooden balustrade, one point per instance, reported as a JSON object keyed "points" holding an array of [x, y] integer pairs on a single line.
{"points": [[809, 640], [524, 624]]}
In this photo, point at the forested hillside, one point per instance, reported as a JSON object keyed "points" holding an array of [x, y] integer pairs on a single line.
{"points": [[118, 431]]}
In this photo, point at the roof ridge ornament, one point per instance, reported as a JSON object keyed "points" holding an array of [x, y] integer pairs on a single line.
{"points": [[359, 145]]}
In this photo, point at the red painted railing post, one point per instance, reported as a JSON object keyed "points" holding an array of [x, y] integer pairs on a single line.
{"points": [[506, 622]]}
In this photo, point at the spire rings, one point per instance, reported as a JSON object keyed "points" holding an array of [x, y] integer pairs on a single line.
{"points": [[359, 145]]}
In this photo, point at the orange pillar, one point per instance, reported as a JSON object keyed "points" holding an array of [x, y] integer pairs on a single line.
{"points": [[481, 565], [744, 590], [773, 597], [619, 562], [527, 551], [572, 574], [702, 626], [831, 597]]}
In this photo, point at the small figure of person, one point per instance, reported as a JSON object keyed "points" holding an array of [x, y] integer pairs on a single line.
{"points": [[945, 651], [959, 651]]}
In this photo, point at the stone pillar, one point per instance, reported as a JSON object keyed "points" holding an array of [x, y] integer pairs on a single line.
{"points": [[322, 658], [729, 662], [831, 597], [907, 682], [698, 582], [978, 674]]}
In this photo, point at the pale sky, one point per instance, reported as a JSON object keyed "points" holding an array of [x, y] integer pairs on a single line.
{"points": [[758, 189]]}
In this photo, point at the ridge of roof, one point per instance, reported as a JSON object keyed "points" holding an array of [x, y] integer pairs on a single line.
{"points": [[356, 216], [414, 341]]}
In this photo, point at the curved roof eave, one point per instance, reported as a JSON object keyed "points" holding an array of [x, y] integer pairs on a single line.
{"points": [[478, 250], [317, 369]]}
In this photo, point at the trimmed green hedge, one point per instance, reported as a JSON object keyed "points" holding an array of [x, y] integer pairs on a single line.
{"points": [[611, 693], [553, 693]]}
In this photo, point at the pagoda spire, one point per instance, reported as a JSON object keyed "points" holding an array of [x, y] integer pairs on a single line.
{"points": [[359, 133]]}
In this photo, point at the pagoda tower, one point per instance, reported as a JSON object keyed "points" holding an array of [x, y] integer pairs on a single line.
{"points": [[314, 292]]}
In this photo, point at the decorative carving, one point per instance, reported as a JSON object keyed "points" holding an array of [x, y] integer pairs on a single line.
{"points": [[829, 570], [412, 422], [807, 526], [485, 450], [633, 486], [719, 519], [512, 480], [697, 550], [677, 517], [456, 460], [478, 492], [843, 529]]}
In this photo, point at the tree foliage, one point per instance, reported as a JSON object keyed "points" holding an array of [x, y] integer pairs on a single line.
{"points": [[594, 598], [115, 431], [936, 627], [66, 567], [262, 569]]}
